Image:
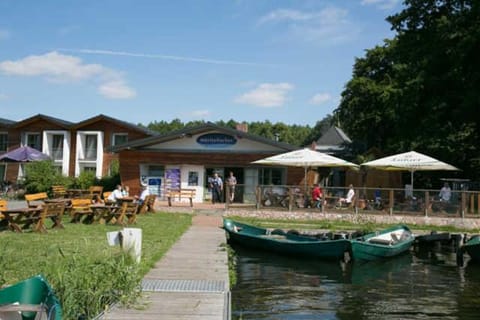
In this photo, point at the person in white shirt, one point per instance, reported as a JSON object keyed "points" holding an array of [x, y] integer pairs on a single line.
{"points": [[116, 194], [445, 193], [349, 198], [143, 195]]}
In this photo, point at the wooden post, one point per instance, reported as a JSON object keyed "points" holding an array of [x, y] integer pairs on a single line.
{"points": [[390, 201], [464, 200], [258, 197], [472, 204], [290, 199], [427, 203]]}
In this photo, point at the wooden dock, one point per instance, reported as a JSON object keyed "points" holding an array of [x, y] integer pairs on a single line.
{"points": [[190, 282]]}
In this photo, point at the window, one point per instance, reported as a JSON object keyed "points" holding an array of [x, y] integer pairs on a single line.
{"points": [[119, 138], [156, 171], [33, 140], [89, 169], [90, 147], [271, 176], [57, 147], [3, 141], [2, 172]]}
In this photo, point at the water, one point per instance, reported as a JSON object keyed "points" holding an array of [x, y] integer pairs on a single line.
{"points": [[423, 284]]}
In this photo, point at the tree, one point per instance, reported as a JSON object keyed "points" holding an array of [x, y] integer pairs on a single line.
{"points": [[419, 90]]}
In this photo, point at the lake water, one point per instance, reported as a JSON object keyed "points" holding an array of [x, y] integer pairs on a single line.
{"points": [[423, 284]]}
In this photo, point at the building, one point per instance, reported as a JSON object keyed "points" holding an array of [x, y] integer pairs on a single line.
{"points": [[188, 157], [74, 147]]}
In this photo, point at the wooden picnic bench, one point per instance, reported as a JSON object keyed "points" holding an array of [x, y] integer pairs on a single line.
{"points": [[180, 194], [147, 204], [33, 199], [59, 191], [80, 207]]}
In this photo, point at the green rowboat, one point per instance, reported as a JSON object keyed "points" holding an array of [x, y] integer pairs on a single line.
{"points": [[472, 247], [281, 242], [29, 299], [382, 244]]}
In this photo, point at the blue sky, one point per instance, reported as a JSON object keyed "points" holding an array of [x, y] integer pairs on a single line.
{"points": [[141, 61]]}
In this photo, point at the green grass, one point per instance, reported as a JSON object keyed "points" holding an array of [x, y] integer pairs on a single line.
{"points": [[86, 273]]}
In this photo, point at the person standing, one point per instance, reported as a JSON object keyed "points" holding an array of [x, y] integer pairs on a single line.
{"points": [[231, 183], [445, 193], [217, 187]]}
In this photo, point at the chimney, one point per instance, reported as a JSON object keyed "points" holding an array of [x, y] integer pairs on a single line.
{"points": [[242, 127]]}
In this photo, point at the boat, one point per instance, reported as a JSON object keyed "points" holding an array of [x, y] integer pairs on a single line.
{"points": [[472, 247], [287, 243], [382, 244], [29, 299]]}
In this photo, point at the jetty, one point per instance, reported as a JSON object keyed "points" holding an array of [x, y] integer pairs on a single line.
{"points": [[191, 280]]}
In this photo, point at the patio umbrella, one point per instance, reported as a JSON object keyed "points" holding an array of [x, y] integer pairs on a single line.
{"points": [[409, 161], [305, 158], [23, 154]]}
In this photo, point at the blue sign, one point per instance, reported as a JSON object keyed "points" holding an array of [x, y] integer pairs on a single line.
{"points": [[216, 140]]}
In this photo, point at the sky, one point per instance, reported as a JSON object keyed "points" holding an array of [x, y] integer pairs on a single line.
{"points": [[143, 61]]}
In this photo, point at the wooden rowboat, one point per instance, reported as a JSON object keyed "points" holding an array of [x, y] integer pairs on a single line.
{"points": [[382, 244], [29, 299], [282, 242]]}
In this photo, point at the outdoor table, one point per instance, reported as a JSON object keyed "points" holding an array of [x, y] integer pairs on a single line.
{"points": [[102, 213], [77, 193], [19, 216]]}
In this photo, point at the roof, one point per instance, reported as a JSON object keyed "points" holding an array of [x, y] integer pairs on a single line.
{"points": [[334, 139], [208, 126], [62, 123], [101, 117], [6, 122]]}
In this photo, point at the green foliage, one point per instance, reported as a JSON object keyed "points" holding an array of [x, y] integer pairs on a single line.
{"points": [[86, 274], [419, 91], [85, 180], [41, 175]]}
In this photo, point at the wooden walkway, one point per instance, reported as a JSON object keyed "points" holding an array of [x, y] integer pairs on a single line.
{"points": [[190, 282]]}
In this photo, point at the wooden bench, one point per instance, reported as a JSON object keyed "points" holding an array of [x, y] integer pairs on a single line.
{"points": [[59, 191], [148, 203], [80, 207], [180, 194], [34, 198]]}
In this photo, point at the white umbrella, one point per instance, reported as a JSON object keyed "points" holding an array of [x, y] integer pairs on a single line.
{"points": [[305, 158], [409, 161]]}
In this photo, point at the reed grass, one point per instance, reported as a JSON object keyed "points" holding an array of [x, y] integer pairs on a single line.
{"points": [[86, 273]]}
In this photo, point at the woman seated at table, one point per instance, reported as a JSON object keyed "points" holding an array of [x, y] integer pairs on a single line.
{"points": [[349, 198], [116, 194], [143, 195]]}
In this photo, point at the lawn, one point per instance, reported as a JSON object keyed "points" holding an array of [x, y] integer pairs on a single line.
{"points": [[86, 273]]}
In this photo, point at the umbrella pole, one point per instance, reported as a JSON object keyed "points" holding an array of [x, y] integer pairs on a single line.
{"points": [[411, 180]]}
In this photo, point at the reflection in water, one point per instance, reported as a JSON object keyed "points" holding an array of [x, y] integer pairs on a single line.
{"points": [[423, 284]]}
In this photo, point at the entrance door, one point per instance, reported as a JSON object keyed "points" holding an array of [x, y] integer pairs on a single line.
{"points": [[239, 189]]}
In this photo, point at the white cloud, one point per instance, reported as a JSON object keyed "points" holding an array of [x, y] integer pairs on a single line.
{"points": [[266, 95], [58, 67], [382, 4], [320, 98], [116, 90], [4, 34], [327, 26]]}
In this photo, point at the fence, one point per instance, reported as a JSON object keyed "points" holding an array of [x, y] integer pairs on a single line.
{"points": [[420, 202]]}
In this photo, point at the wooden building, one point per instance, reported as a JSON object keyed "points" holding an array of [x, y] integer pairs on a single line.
{"points": [[188, 157], [73, 147]]}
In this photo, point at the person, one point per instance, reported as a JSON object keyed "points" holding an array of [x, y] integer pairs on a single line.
{"points": [[317, 194], [145, 192], [377, 196], [217, 187], [231, 183], [125, 191], [349, 198], [116, 194], [445, 193]]}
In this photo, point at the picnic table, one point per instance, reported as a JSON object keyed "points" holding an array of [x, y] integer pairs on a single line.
{"points": [[21, 218], [102, 213]]}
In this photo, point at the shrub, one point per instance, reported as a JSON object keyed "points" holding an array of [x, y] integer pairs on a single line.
{"points": [[41, 175]]}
